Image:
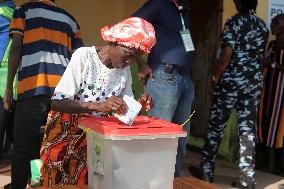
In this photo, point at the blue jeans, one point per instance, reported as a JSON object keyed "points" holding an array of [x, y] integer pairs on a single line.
{"points": [[172, 97]]}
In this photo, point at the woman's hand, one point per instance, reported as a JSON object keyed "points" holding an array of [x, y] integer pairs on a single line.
{"points": [[146, 102], [113, 104]]}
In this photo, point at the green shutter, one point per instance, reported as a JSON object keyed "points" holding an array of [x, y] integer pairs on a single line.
{"points": [[7, 12]]}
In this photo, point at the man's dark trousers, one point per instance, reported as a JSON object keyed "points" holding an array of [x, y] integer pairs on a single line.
{"points": [[30, 115]]}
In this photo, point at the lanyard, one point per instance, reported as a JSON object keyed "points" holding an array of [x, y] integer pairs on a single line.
{"points": [[179, 7]]}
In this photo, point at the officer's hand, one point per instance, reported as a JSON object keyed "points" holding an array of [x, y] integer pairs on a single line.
{"points": [[215, 79]]}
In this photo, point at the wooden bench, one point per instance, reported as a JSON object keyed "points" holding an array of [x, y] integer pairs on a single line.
{"points": [[192, 183], [179, 183]]}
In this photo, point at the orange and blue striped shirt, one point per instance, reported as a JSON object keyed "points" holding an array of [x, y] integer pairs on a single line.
{"points": [[50, 35]]}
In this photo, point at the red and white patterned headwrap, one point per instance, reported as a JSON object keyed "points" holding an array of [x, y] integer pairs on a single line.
{"points": [[133, 32]]}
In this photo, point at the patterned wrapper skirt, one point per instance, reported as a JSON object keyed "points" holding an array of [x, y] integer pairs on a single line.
{"points": [[63, 151], [271, 110]]}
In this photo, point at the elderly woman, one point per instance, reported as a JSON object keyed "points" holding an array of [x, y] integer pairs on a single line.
{"points": [[93, 83]]}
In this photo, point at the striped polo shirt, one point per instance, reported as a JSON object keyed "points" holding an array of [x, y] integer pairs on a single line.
{"points": [[50, 35]]}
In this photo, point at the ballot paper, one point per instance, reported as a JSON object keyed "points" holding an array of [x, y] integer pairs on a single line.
{"points": [[134, 108]]}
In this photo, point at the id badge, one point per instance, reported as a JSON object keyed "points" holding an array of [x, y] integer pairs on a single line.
{"points": [[187, 40]]}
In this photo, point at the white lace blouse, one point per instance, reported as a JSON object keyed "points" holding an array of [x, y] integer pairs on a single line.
{"points": [[86, 79]]}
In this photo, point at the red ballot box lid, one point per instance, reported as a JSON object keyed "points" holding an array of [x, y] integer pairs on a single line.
{"points": [[148, 126]]}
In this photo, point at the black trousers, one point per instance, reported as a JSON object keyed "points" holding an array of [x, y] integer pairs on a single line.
{"points": [[30, 115]]}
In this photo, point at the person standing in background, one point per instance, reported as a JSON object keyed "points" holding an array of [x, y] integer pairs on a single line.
{"points": [[166, 76], [6, 117], [238, 79], [271, 109], [44, 37]]}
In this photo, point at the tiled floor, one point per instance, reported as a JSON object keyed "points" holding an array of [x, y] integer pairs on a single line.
{"points": [[225, 173]]}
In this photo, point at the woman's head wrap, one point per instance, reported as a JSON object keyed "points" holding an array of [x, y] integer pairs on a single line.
{"points": [[133, 32]]}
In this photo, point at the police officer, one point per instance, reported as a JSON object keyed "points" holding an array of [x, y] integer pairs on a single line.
{"points": [[238, 80]]}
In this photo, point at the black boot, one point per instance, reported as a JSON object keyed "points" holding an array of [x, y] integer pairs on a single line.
{"points": [[206, 177], [238, 184], [198, 173]]}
